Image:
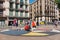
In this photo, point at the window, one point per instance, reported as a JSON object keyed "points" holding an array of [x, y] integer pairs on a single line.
{"points": [[21, 6], [21, 0], [26, 6], [11, 13], [11, 5], [17, 6], [26, 1], [21, 14], [1, 4], [12, 0], [26, 14], [1, 11], [16, 13]]}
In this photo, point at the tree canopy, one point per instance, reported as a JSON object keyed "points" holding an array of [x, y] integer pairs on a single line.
{"points": [[58, 2]]}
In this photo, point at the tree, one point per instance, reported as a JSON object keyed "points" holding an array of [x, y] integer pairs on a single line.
{"points": [[58, 3]]}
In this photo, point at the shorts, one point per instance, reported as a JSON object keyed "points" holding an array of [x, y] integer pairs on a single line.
{"points": [[34, 26]]}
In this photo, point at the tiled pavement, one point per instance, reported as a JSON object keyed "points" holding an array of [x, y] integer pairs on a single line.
{"points": [[50, 37], [7, 37]]}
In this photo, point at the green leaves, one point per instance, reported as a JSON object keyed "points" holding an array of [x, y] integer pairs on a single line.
{"points": [[57, 1]]}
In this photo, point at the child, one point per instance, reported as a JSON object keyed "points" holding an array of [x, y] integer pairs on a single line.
{"points": [[27, 28]]}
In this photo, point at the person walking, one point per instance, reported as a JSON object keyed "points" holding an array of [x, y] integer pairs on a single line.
{"points": [[56, 23], [33, 24]]}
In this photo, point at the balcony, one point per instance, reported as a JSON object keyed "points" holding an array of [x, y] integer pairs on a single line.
{"points": [[21, 9], [17, 9], [2, 0], [26, 10], [11, 8], [46, 14], [17, 2], [1, 6]]}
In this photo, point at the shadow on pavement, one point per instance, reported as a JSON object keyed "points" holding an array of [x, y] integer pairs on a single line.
{"points": [[14, 32]]}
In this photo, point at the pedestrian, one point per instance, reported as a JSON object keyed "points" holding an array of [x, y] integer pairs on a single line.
{"points": [[29, 23], [33, 24], [37, 23], [56, 23], [14, 22], [26, 27]]}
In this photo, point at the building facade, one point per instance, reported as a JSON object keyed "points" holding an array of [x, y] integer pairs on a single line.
{"points": [[14, 9], [44, 10]]}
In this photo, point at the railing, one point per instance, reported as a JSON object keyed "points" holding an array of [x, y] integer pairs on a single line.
{"points": [[11, 14], [11, 8], [17, 2], [1, 6], [26, 9], [21, 9]]}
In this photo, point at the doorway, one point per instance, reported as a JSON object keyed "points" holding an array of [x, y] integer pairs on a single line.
{"points": [[10, 23]]}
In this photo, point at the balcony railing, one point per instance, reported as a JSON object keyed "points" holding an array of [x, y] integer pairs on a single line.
{"points": [[21, 9], [2, 0], [26, 10], [11, 8], [1, 6], [17, 9], [17, 2]]}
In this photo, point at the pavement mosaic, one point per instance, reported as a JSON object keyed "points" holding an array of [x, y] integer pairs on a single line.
{"points": [[26, 33]]}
